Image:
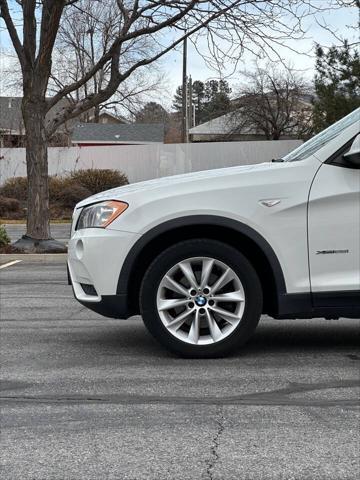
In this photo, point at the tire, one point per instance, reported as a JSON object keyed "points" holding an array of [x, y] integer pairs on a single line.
{"points": [[210, 318]]}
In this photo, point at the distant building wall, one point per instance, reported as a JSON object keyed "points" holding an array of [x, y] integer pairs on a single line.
{"points": [[144, 162]]}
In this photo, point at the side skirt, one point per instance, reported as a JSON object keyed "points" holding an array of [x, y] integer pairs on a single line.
{"points": [[320, 304]]}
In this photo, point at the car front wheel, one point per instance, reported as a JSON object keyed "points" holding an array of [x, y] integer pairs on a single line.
{"points": [[201, 298]]}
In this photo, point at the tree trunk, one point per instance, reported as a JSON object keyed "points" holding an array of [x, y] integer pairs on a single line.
{"points": [[276, 135], [97, 114], [38, 215]]}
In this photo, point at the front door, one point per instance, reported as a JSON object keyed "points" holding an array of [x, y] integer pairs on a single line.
{"points": [[334, 231]]}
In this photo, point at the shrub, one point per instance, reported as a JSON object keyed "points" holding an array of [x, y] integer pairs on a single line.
{"points": [[58, 212], [72, 194], [56, 186], [15, 188], [64, 192], [8, 206], [4, 238], [99, 180]]}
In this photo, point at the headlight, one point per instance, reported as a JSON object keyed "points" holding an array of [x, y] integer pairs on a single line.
{"points": [[100, 215]]}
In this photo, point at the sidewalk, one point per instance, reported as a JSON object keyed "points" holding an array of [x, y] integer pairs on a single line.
{"points": [[59, 231]]}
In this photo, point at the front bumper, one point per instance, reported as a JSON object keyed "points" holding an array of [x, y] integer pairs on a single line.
{"points": [[112, 306], [95, 258]]}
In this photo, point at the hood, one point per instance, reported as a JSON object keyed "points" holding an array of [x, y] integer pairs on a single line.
{"points": [[120, 193]]}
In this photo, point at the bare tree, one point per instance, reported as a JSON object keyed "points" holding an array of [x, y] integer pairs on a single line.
{"points": [[273, 102], [257, 25], [83, 38]]}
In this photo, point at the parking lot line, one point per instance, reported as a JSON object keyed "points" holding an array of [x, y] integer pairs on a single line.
{"points": [[9, 264]]}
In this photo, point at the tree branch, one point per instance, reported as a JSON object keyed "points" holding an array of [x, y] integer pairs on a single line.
{"points": [[5, 14], [125, 38], [138, 33], [50, 21], [29, 29]]}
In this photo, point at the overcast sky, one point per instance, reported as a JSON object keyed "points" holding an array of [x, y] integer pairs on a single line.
{"points": [[303, 60], [340, 21]]}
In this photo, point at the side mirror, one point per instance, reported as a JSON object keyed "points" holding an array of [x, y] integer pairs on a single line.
{"points": [[353, 155]]}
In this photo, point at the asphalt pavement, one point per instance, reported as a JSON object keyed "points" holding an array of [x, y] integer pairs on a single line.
{"points": [[85, 397], [59, 231]]}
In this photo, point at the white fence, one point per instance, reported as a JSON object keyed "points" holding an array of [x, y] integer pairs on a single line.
{"points": [[143, 162]]}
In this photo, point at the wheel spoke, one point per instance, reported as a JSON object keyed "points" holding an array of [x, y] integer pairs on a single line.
{"points": [[236, 296], [195, 328], [223, 280], [171, 284], [215, 331], [176, 323], [230, 317], [168, 304], [207, 266], [189, 274]]}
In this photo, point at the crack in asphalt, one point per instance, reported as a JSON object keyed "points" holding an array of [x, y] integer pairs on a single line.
{"points": [[276, 397], [353, 356], [215, 443]]}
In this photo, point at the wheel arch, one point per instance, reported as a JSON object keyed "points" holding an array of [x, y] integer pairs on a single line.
{"points": [[244, 238]]}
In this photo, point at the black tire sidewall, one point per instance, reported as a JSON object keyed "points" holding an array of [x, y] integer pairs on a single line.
{"points": [[201, 248]]}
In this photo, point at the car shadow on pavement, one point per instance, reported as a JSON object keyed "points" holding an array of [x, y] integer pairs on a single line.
{"points": [[297, 336], [271, 337]]}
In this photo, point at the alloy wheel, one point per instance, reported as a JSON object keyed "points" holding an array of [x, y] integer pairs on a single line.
{"points": [[200, 300]]}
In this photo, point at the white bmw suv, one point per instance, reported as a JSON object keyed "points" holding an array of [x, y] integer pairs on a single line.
{"points": [[201, 256]]}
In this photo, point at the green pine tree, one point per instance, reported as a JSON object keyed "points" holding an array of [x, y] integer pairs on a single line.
{"points": [[211, 99], [177, 101], [337, 84]]}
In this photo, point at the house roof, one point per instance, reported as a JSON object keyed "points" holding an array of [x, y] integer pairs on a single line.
{"points": [[233, 123], [11, 120], [118, 133], [106, 113], [223, 125]]}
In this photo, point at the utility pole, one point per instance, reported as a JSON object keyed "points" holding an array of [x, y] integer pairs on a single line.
{"points": [[190, 105], [184, 94]]}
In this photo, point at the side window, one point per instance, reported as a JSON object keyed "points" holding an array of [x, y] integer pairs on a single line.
{"points": [[337, 158]]}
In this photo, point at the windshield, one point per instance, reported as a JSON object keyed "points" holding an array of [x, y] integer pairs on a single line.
{"points": [[322, 138]]}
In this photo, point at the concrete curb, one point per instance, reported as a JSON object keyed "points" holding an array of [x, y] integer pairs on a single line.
{"points": [[34, 257]]}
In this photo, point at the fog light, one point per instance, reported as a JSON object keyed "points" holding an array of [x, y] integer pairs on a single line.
{"points": [[89, 289]]}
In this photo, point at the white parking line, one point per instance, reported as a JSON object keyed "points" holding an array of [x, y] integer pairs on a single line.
{"points": [[9, 264]]}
